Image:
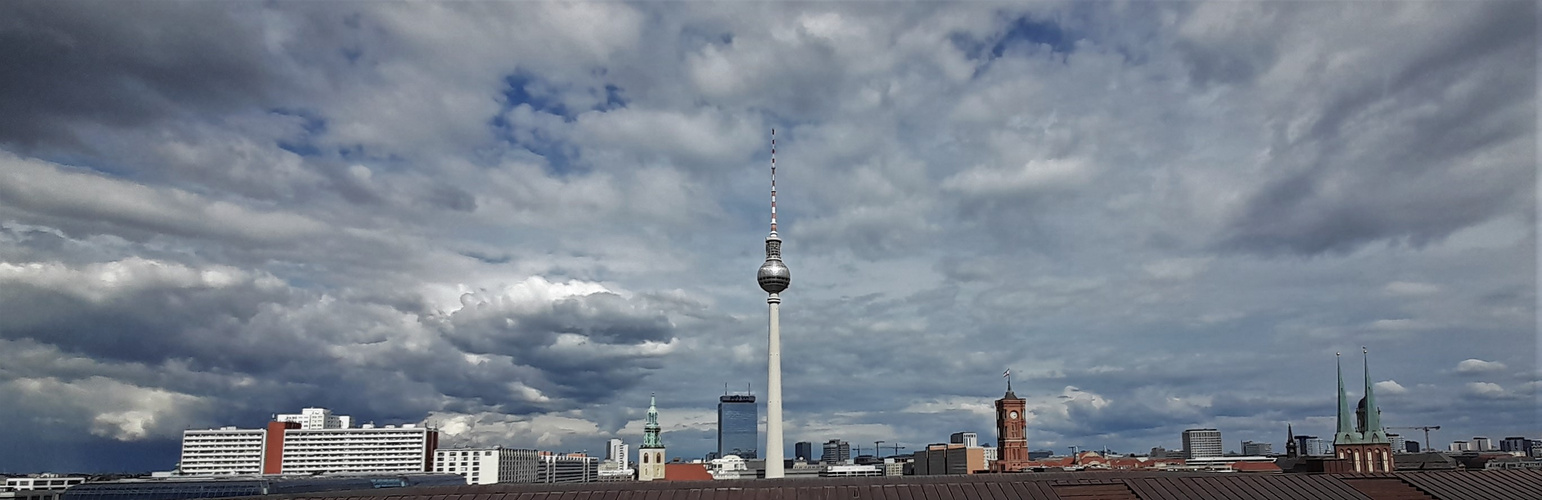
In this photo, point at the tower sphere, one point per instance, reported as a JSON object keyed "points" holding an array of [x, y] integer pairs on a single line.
{"points": [[773, 276]]}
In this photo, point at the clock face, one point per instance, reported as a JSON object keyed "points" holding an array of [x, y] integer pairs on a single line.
{"points": [[1012, 414]]}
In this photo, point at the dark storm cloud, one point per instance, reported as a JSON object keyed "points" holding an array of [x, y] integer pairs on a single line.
{"points": [[151, 327], [123, 64], [606, 348], [605, 318]]}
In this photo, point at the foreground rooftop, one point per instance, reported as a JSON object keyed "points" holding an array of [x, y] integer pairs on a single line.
{"points": [[1437, 485]]}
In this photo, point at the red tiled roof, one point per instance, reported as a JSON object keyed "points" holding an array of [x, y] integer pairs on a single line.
{"points": [[1256, 467], [686, 472]]}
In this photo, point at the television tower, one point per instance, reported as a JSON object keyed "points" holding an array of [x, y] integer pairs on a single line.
{"points": [[774, 278]]}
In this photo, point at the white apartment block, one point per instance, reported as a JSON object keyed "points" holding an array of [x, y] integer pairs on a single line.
{"points": [[316, 418], [407, 448], [226, 450], [289, 447], [488, 465]]}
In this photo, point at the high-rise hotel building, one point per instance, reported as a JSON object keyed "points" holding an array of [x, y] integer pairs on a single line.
{"points": [[287, 447], [738, 431]]}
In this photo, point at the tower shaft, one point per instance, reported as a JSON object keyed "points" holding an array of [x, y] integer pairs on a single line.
{"points": [[774, 466]]}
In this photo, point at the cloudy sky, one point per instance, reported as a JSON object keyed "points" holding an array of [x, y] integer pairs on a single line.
{"points": [[517, 220]]}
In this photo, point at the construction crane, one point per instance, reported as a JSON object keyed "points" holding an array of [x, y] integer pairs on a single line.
{"points": [[897, 448], [1426, 429], [1074, 449]]}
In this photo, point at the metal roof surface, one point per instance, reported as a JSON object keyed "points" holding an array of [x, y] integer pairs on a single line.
{"points": [[1438, 485]]}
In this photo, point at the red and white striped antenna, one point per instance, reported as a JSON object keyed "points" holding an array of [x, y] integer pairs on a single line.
{"points": [[773, 181]]}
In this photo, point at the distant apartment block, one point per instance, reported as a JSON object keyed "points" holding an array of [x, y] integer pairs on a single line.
{"points": [[1201, 443], [836, 452], [803, 451], [316, 418], [1253, 449], [1398, 443], [1316, 447]]}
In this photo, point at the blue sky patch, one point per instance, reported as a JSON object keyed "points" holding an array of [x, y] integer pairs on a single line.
{"points": [[529, 90], [311, 123], [1023, 32]]}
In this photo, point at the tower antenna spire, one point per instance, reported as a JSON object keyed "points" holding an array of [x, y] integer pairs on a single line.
{"points": [[773, 181]]}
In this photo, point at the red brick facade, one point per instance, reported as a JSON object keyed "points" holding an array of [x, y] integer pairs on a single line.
{"points": [[1011, 433]]}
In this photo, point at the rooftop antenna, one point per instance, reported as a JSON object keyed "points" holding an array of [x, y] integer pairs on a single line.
{"points": [[725, 388]]}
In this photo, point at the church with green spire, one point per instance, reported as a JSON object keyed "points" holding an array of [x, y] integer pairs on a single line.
{"points": [[650, 457], [1360, 440]]}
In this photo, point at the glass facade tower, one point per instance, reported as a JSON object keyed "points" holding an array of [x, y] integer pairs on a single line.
{"points": [[738, 422]]}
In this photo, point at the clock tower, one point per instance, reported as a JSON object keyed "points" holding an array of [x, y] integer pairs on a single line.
{"points": [[1011, 432]]}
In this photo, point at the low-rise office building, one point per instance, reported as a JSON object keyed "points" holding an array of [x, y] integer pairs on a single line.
{"points": [[948, 459], [851, 471], [489, 465], [41, 482], [568, 468]]}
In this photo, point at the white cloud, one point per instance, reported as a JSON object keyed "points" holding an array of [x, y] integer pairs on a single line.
{"points": [[703, 135], [1390, 387], [1486, 390], [1406, 288], [545, 431], [105, 280], [1474, 366], [1176, 269], [50, 188], [1052, 173], [107, 407]]}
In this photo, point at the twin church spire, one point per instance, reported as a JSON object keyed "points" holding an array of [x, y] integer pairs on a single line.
{"points": [[1363, 426]]}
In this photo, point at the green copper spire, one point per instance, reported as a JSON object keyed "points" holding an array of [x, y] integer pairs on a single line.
{"points": [[1346, 433], [1373, 433], [651, 429]]}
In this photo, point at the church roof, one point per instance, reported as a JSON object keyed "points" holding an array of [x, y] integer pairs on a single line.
{"points": [[686, 472]]}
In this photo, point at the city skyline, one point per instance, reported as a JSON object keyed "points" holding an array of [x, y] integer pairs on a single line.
{"points": [[516, 221]]}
